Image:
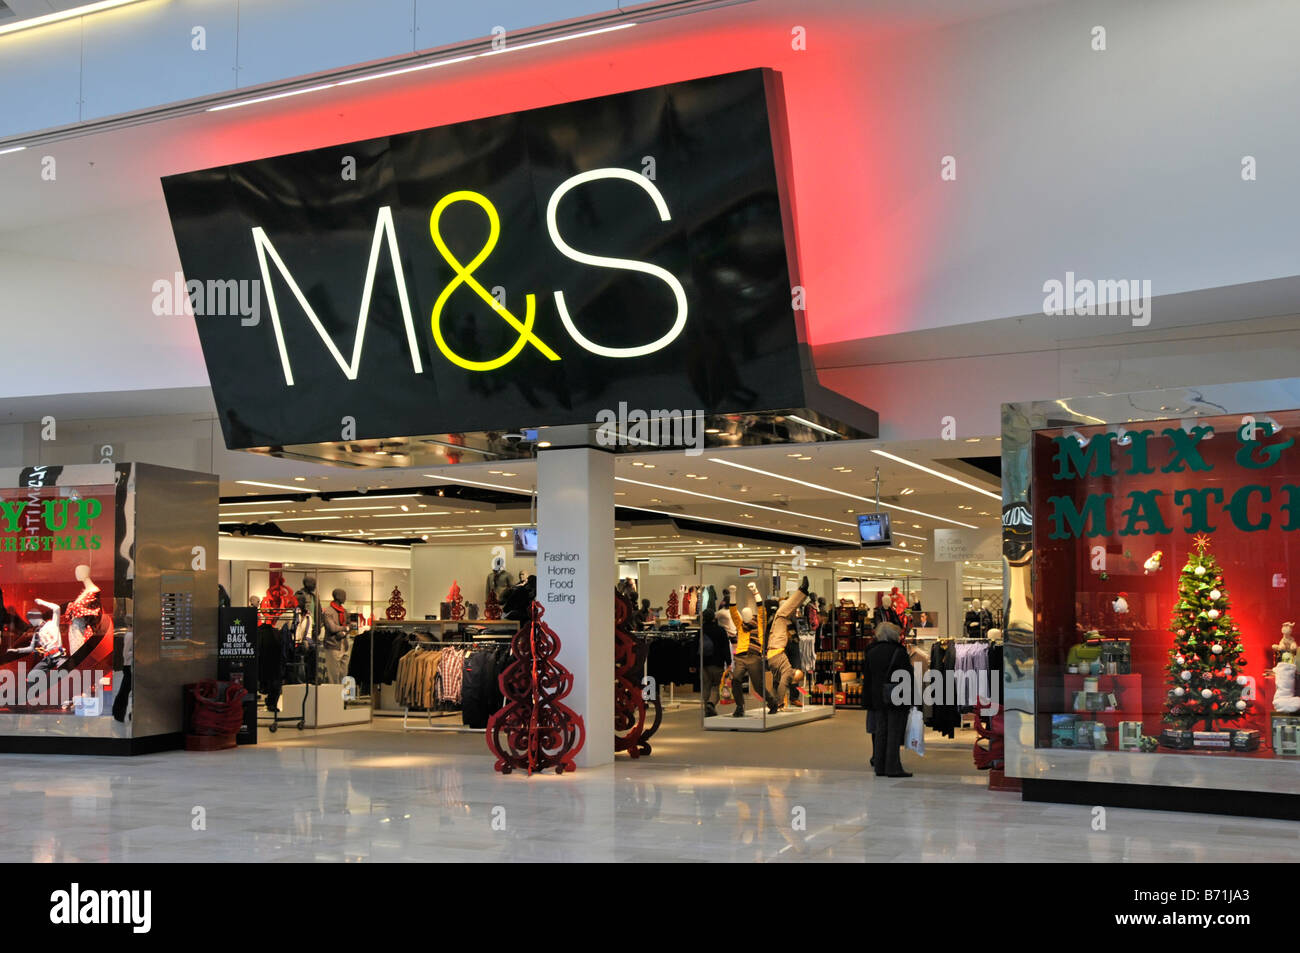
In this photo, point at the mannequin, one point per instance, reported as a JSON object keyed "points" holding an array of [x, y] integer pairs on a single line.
{"points": [[749, 657], [498, 580], [974, 620], [723, 618], [335, 639], [47, 645], [309, 603], [84, 612], [778, 663]]}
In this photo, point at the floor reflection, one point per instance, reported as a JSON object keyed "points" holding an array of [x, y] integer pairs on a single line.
{"points": [[321, 804]]}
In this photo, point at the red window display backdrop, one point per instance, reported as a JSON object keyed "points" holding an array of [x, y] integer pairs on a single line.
{"points": [[1074, 593], [39, 555]]}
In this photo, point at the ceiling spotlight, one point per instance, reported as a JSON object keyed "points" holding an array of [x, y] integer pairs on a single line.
{"points": [[504, 534]]}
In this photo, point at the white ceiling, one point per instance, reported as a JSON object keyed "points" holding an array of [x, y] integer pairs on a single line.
{"points": [[836, 482]]}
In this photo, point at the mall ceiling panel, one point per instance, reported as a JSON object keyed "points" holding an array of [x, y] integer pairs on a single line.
{"points": [[113, 83], [299, 37], [41, 75], [438, 23]]}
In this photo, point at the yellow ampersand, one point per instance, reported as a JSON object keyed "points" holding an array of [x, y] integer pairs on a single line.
{"points": [[465, 276]]}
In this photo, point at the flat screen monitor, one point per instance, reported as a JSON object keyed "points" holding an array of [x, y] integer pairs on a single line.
{"points": [[525, 540], [873, 529]]}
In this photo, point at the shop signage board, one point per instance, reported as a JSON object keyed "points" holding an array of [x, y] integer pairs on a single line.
{"points": [[672, 565], [534, 268], [959, 545], [237, 661]]}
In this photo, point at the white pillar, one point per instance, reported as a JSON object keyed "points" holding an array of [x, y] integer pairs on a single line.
{"points": [[940, 577], [576, 573]]}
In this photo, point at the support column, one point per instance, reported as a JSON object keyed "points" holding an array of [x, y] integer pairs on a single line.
{"points": [[576, 572]]}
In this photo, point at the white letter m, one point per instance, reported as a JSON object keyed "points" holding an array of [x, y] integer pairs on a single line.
{"points": [[383, 227]]}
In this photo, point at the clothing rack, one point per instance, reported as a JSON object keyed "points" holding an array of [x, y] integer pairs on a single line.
{"points": [[431, 714], [680, 634]]}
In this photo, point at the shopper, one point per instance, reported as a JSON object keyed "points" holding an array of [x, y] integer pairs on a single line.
{"points": [[887, 700], [644, 618], [716, 656]]}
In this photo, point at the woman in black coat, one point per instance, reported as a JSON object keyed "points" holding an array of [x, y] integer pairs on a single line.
{"points": [[889, 698]]}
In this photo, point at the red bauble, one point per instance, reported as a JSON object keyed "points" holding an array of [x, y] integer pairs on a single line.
{"points": [[1214, 707]]}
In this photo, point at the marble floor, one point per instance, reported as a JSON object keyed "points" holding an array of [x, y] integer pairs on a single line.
{"points": [[330, 801]]}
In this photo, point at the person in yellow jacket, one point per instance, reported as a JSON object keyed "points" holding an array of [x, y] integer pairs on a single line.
{"points": [[749, 655]]}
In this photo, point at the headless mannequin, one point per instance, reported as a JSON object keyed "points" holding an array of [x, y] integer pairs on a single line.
{"points": [[974, 623], [84, 612]]}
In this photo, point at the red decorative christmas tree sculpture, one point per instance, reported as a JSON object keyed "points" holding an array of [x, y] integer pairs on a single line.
{"points": [[629, 703], [491, 607], [534, 729], [455, 602], [1205, 665], [671, 611], [396, 610]]}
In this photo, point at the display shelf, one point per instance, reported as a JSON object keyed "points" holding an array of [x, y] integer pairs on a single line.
{"points": [[840, 651]]}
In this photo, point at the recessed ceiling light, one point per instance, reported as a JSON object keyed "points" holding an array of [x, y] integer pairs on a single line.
{"points": [[504, 534], [942, 476], [300, 479], [543, 444], [649, 466], [276, 486], [906, 491]]}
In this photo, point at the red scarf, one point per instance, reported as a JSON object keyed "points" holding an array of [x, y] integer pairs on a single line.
{"points": [[343, 613]]}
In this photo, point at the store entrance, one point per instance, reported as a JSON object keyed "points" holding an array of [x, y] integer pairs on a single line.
{"points": [[428, 560]]}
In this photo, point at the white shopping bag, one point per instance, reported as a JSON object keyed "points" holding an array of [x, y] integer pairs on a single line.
{"points": [[915, 735]]}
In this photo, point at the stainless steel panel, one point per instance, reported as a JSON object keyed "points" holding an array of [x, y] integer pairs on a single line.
{"points": [[1023, 760], [174, 511]]}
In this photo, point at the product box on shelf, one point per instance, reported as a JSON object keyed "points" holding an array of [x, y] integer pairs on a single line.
{"points": [[1130, 736], [1245, 740], [1286, 736], [1176, 738], [1212, 739], [1063, 731]]}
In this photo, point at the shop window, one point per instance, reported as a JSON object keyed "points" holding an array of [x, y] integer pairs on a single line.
{"points": [[1164, 557]]}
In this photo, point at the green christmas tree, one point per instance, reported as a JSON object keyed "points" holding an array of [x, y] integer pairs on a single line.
{"points": [[1206, 664]]}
